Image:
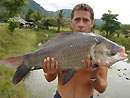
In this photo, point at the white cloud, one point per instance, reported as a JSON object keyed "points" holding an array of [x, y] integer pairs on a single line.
{"points": [[120, 7]]}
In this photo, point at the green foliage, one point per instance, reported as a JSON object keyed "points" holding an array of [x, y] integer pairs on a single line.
{"points": [[1, 3], [111, 24], [125, 29], [49, 22], [3, 16], [29, 13], [37, 19], [12, 25], [59, 19], [13, 6]]}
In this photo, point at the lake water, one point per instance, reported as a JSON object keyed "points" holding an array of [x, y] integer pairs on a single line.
{"points": [[118, 83]]}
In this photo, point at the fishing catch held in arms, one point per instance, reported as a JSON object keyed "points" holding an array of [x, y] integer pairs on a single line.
{"points": [[69, 49]]}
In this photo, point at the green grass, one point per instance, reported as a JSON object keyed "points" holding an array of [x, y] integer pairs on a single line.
{"points": [[18, 43]]}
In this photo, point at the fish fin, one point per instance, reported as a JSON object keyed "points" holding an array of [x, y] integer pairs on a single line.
{"points": [[53, 40], [12, 62], [67, 75], [20, 73], [93, 50]]}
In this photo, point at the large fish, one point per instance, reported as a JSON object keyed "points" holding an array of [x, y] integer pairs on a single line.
{"points": [[69, 49]]}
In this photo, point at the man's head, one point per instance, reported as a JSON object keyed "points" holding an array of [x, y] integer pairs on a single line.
{"points": [[82, 18]]}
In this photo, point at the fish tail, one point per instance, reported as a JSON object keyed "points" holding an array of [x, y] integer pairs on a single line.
{"points": [[12, 62], [20, 73]]}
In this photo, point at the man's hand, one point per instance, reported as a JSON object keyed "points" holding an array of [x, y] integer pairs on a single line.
{"points": [[93, 73], [99, 74], [50, 68]]}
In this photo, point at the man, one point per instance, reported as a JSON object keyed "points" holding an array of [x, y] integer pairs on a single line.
{"points": [[85, 80]]}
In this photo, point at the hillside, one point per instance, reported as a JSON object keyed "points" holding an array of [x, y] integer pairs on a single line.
{"points": [[33, 5], [36, 7], [67, 13], [99, 22]]}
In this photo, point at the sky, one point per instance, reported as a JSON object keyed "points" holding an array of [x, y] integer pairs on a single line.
{"points": [[120, 7]]}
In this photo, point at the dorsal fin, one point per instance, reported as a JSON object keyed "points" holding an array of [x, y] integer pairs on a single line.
{"points": [[58, 36]]}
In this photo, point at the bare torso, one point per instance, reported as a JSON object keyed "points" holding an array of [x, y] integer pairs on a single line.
{"points": [[78, 87]]}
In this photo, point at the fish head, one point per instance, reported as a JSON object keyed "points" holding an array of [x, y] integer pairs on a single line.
{"points": [[109, 52]]}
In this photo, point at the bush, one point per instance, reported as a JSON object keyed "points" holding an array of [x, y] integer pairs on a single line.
{"points": [[12, 25]]}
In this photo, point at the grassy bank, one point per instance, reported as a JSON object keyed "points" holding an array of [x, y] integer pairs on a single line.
{"points": [[21, 42]]}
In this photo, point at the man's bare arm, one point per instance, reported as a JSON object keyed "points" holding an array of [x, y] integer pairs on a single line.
{"points": [[101, 83]]}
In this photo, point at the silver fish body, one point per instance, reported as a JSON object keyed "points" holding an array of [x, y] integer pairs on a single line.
{"points": [[70, 48]]}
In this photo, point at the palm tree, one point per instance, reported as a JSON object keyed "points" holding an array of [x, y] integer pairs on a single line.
{"points": [[60, 19]]}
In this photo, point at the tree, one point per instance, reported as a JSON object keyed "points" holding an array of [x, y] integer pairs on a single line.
{"points": [[13, 23], [49, 22], [1, 3], [13, 7], [59, 19], [110, 23], [37, 19], [28, 14], [125, 29]]}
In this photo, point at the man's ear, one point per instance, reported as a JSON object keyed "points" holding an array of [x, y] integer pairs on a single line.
{"points": [[92, 23]]}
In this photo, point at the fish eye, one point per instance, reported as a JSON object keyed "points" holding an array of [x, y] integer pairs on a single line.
{"points": [[112, 54]]}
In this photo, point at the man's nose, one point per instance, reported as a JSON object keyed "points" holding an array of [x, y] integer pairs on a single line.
{"points": [[81, 24]]}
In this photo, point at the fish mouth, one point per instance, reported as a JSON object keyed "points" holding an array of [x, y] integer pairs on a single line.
{"points": [[123, 54], [121, 51], [118, 55]]}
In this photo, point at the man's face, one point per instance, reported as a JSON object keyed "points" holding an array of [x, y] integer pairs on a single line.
{"points": [[81, 22]]}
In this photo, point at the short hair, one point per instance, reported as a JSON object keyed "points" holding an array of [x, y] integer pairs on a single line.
{"points": [[83, 7]]}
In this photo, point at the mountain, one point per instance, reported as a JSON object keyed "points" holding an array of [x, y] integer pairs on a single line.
{"points": [[35, 6], [67, 13], [30, 4], [99, 22]]}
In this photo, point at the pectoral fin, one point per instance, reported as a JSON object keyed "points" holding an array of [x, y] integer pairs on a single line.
{"points": [[20, 73], [67, 75]]}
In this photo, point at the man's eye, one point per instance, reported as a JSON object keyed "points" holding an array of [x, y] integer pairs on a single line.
{"points": [[77, 19], [86, 20]]}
